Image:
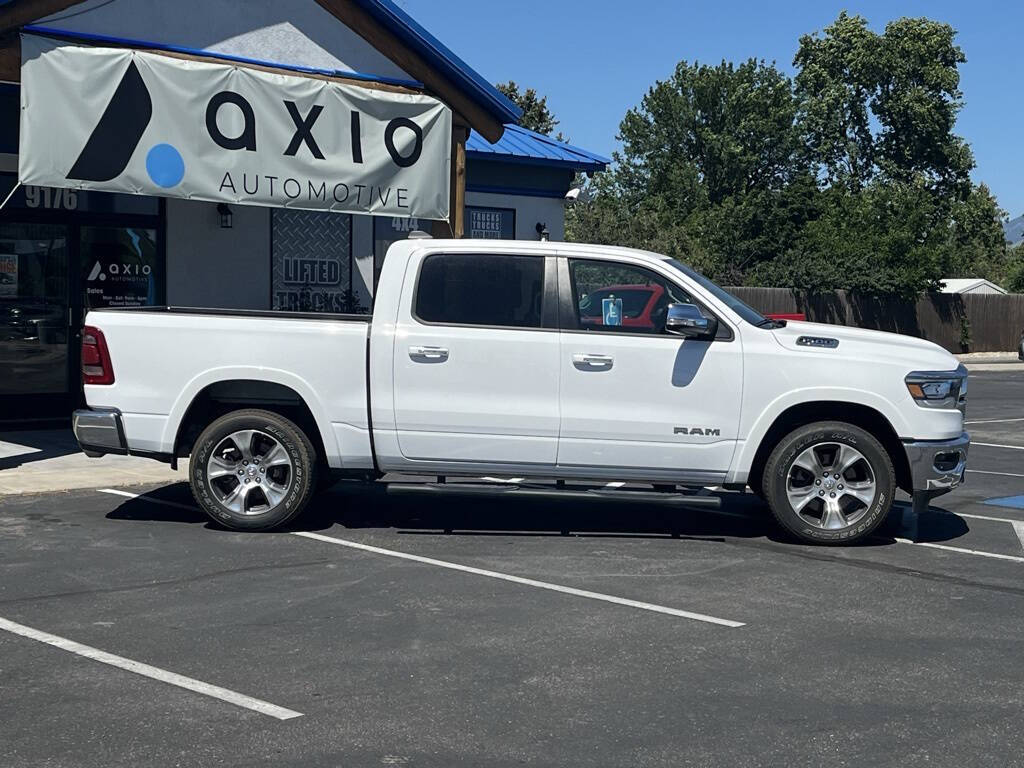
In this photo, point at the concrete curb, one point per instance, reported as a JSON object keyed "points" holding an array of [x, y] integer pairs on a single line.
{"points": [[1005, 367]]}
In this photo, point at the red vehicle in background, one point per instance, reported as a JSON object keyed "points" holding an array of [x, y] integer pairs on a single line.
{"points": [[643, 306]]}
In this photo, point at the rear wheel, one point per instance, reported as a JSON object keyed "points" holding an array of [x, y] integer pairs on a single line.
{"points": [[252, 470], [829, 482]]}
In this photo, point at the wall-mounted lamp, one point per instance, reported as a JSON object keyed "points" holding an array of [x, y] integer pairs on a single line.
{"points": [[225, 215], [542, 230]]}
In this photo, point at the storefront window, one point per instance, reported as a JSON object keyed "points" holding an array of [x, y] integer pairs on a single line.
{"points": [[29, 197], [490, 223], [33, 309], [311, 255], [120, 267], [388, 230]]}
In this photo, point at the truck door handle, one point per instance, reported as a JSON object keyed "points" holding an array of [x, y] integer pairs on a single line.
{"points": [[428, 354], [587, 361]]}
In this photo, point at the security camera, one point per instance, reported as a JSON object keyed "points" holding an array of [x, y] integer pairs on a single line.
{"points": [[573, 195]]}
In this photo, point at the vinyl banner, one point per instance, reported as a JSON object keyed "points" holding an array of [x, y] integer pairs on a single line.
{"points": [[122, 120]]}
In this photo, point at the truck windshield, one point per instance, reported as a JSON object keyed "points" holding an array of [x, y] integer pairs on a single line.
{"points": [[746, 312]]}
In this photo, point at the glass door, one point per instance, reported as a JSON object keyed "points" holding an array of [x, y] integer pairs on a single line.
{"points": [[34, 315]]}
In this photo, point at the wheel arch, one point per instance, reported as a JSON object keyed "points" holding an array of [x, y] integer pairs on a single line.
{"points": [[867, 418], [216, 398]]}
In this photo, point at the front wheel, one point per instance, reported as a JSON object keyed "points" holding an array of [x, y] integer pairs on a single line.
{"points": [[252, 470], [829, 483]]}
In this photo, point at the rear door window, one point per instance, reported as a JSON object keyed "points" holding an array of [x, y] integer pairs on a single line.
{"points": [[493, 290]]}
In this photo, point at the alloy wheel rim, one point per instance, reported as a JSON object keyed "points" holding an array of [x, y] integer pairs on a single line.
{"points": [[830, 485], [250, 472]]}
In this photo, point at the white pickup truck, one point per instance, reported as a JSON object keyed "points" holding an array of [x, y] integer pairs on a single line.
{"points": [[577, 363]]}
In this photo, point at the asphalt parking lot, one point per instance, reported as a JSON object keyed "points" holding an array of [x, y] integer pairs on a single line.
{"points": [[435, 631]]}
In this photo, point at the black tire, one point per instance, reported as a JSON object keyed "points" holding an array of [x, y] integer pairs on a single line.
{"points": [[825, 438], [294, 488]]}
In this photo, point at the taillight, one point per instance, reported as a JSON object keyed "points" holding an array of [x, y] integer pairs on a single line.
{"points": [[96, 367]]}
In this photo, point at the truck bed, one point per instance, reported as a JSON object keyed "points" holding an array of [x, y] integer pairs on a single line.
{"points": [[164, 357]]}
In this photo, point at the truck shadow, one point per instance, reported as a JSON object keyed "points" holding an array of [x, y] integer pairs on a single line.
{"points": [[358, 507], [740, 516], [29, 446]]}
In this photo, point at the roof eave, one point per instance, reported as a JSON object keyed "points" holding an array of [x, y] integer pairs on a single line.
{"points": [[572, 165]]}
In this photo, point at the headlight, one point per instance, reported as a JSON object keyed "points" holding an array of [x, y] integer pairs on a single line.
{"points": [[938, 389]]}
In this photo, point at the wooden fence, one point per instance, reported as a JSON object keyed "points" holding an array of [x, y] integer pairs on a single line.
{"points": [[960, 323]]}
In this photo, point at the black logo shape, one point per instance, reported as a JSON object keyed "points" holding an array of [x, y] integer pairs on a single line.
{"points": [[118, 132]]}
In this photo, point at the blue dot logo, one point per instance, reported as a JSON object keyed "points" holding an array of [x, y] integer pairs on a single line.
{"points": [[165, 166]]}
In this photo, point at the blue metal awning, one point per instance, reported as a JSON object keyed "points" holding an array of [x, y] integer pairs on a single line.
{"points": [[435, 53], [519, 145]]}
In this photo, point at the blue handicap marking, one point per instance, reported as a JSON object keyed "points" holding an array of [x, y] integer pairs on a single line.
{"points": [[1013, 502], [611, 311]]}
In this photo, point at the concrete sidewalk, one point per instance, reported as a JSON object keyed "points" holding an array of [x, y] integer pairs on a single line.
{"points": [[40, 461]]}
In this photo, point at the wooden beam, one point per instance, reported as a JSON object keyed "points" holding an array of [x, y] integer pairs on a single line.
{"points": [[458, 206], [364, 25], [25, 12], [455, 226]]}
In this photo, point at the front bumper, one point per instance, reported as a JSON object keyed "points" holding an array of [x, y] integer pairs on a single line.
{"points": [[937, 466], [99, 432]]}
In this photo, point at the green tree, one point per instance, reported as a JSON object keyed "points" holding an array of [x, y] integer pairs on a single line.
{"points": [[710, 164], [1014, 281], [536, 115], [837, 76], [850, 176], [916, 103]]}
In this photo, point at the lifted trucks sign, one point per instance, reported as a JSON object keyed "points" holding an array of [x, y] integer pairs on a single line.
{"points": [[123, 120]]}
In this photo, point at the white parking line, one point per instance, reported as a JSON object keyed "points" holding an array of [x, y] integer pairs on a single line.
{"points": [[1018, 528], [999, 445], [984, 517], [481, 572], [991, 421], [115, 492], [526, 582], [502, 479], [962, 550], [155, 673], [614, 484], [988, 472]]}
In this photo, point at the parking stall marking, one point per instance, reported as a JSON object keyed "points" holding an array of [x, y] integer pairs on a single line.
{"points": [[982, 517], [520, 580], [989, 472], [992, 421], [998, 445], [127, 495], [962, 550], [154, 673], [481, 571]]}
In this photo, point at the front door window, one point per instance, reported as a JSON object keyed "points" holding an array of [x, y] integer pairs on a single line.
{"points": [[612, 296]]}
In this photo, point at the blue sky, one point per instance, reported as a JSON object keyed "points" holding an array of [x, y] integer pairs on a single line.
{"points": [[595, 59]]}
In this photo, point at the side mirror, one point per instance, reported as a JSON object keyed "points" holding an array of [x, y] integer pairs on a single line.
{"points": [[686, 320]]}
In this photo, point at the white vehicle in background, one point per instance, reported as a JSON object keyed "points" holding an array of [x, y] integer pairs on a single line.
{"points": [[493, 358]]}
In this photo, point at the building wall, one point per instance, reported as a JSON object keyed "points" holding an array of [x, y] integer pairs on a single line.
{"points": [[982, 288], [212, 267], [293, 32], [529, 211]]}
